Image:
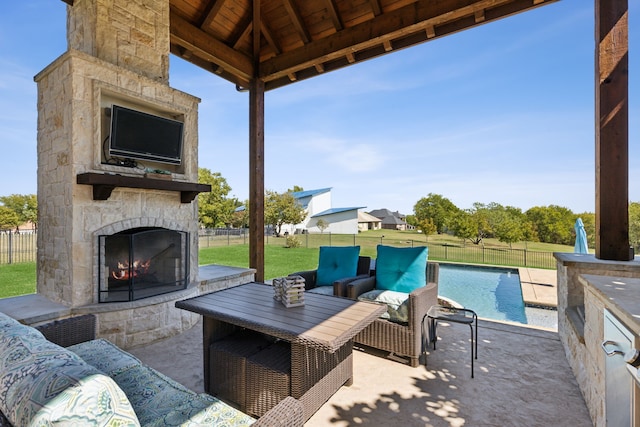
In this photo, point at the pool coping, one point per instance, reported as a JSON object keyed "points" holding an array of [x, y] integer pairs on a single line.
{"points": [[539, 287]]}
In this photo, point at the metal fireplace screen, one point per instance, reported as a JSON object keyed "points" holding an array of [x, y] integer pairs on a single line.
{"points": [[142, 263]]}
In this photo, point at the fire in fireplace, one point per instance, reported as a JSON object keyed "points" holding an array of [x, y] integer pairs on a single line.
{"points": [[142, 262]]}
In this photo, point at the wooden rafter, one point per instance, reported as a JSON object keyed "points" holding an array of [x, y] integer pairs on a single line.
{"points": [[204, 46], [296, 20], [375, 7], [419, 17], [332, 10], [212, 10], [268, 35]]}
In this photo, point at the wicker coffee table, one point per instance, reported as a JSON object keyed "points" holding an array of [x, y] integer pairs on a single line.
{"points": [[320, 334]]}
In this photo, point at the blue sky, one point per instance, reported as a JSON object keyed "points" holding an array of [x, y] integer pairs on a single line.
{"points": [[500, 113]]}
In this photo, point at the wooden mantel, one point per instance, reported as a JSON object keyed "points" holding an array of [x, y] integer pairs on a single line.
{"points": [[104, 184]]}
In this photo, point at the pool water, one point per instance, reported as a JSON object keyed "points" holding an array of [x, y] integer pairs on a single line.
{"points": [[492, 292]]}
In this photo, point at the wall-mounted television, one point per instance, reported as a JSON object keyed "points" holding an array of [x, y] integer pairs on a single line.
{"points": [[139, 135]]}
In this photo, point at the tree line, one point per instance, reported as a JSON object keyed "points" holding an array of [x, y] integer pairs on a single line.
{"points": [[549, 224], [431, 214]]}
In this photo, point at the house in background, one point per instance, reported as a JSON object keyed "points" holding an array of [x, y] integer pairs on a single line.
{"points": [[317, 204], [391, 220], [368, 222]]}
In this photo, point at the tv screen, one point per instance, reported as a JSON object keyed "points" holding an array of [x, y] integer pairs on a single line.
{"points": [[138, 135]]}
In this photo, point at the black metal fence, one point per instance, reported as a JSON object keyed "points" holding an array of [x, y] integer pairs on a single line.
{"points": [[467, 253], [16, 248]]}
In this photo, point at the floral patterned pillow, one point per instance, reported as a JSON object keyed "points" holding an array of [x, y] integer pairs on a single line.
{"points": [[42, 383]]}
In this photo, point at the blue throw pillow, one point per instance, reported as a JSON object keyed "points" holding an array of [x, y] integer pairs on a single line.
{"points": [[336, 262], [401, 269]]}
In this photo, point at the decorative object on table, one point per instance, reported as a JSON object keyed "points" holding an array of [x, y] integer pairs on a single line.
{"points": [[289, 290]]}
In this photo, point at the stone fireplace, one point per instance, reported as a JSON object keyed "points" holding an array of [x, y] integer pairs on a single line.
{"points": [[141, 263], [96, 213]]}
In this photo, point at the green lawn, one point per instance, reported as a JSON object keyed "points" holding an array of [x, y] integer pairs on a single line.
{"points": [[20, 279], [17, 279]]}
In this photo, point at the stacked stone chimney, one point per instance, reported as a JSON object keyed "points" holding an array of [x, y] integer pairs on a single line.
{"points": [[118, 52]]}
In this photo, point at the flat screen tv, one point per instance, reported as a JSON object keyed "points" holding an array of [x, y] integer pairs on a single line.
{"points": [[138, 135]]}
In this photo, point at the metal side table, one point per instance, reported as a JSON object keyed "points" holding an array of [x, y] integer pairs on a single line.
{"points": [[456, 315]]}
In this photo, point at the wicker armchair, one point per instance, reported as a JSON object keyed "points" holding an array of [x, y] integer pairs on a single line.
{"points": [[400, 339], [339, 286]]}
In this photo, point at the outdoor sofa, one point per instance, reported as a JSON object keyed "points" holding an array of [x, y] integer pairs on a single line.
{"points": [[401, 337], [61, 374]]}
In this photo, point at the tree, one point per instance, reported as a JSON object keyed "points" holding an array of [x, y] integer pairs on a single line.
{"points": [[427, 226], [8, 218], [322, 225], [437, 208], [634, 225], [240, 216], [280, 209], [295, 189], [553, 224], [214, 208], [471, 224], [24, 205]]}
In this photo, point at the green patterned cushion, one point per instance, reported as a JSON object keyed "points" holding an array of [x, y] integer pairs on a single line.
{"points": [[397, 304], [105, 356], [401, 269], [160, 401], [335, 263], [44, 384]]}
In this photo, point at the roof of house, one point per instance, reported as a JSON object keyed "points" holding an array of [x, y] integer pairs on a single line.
{"points": [[335, 211], [365, 217], [392, 220], [309, 193], [383, 213]]}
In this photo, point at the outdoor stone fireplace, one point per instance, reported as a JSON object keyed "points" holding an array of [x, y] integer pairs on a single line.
{"points": [[141, 263], [110, 232]]}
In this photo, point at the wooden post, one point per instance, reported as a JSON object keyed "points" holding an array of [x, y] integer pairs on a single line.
{"points": [[256, 156], [612, 130]]}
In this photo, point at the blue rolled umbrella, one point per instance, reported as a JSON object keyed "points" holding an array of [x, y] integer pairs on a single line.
{"points": [[581, 246]]}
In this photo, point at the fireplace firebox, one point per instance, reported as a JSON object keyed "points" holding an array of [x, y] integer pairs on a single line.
{"points": [[141, 263]]}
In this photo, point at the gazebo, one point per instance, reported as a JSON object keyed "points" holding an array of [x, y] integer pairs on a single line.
{"points": [[261, 45], [302, 39]]}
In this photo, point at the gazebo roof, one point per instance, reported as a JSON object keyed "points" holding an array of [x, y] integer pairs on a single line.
{"points": [[300, 39]]}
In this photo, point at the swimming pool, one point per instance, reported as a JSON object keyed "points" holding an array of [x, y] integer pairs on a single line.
{"points": [[492, 292]]}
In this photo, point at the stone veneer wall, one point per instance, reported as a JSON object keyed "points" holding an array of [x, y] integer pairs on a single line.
{"points": [[72, 94], [132, 34], [582, 340]]}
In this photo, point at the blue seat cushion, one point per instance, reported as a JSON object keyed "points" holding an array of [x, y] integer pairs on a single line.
{"points": [[401, 269], [336, 262]]}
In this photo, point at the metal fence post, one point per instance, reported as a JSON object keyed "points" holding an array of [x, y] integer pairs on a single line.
{"points": [[10, 248]]}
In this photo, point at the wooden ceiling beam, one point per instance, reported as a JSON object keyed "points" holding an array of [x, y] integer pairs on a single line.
{"points": [[189, 37], [242, 35], [332, 10], [420, 17], [212, 10], [207, 65], [375, 7], [296, 20], [268, 35]]}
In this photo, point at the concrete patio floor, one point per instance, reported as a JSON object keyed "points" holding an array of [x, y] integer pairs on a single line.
{"points": [[522, 378]]}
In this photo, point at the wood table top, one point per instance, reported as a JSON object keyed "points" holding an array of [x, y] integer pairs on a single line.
{"points": [[324, 322]]}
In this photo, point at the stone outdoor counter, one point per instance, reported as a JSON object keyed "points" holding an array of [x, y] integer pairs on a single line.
{"points": [[586, 287]]}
